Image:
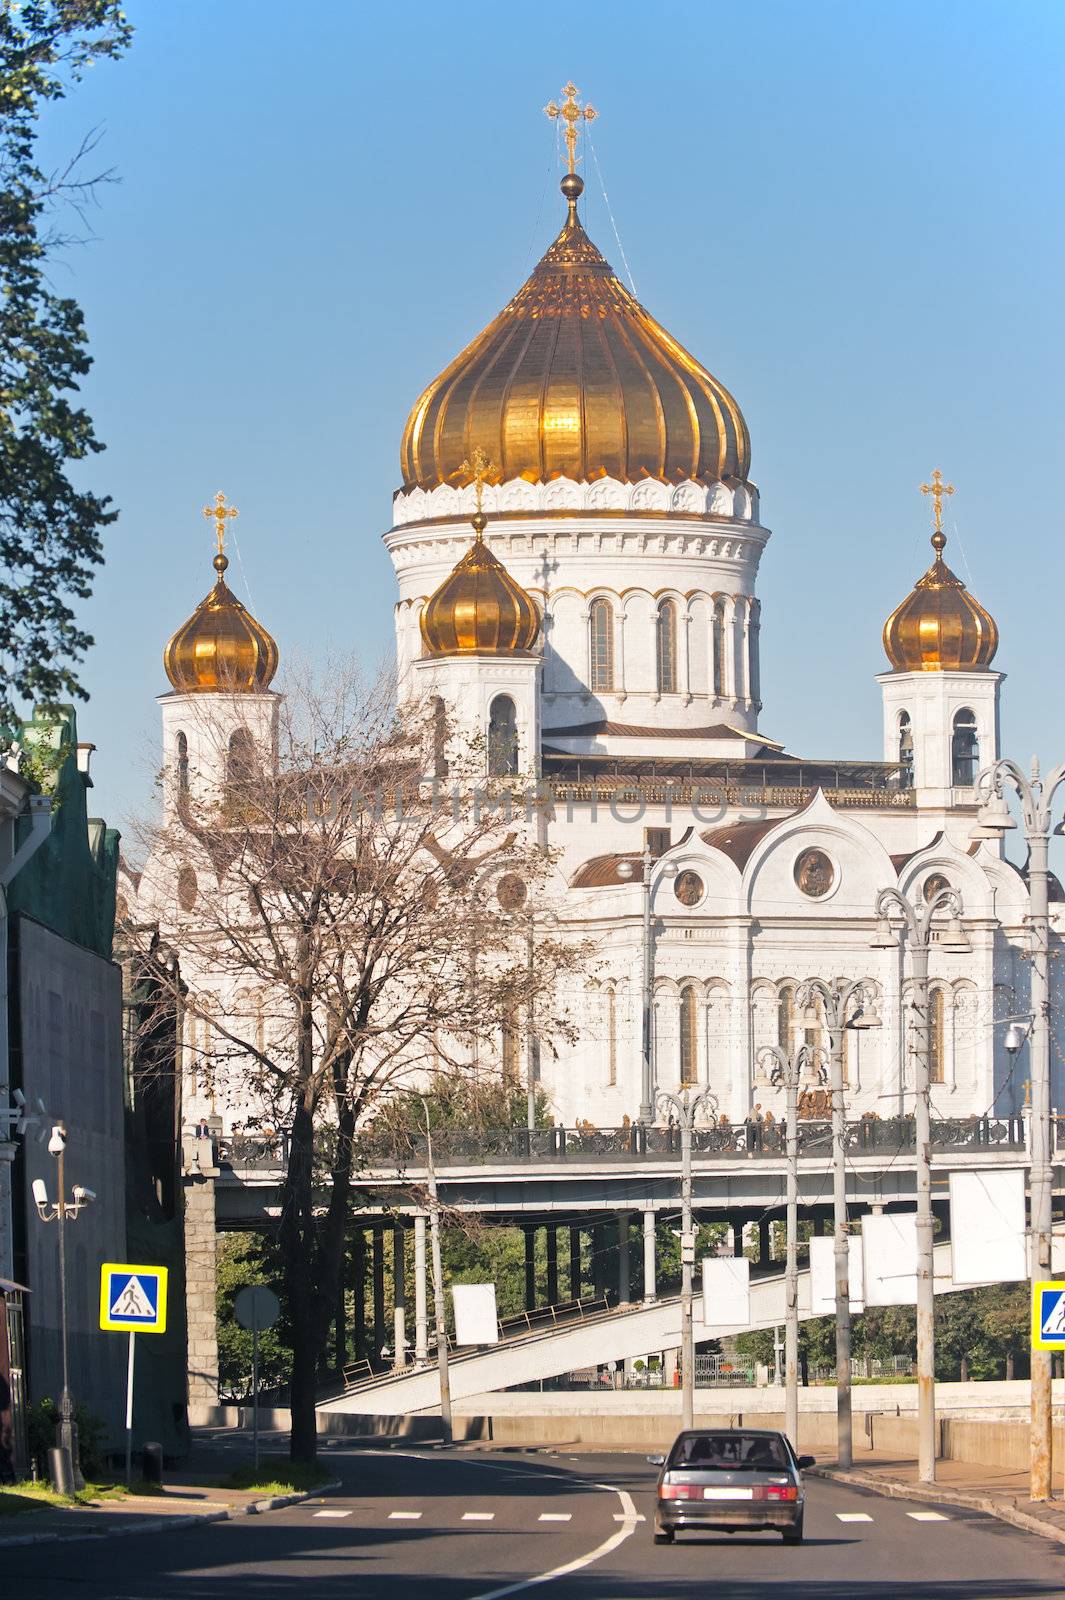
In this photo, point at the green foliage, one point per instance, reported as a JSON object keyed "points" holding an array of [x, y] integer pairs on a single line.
{"points": [[49, 530], [277, 1475], [465, 1104], [42, 1420], [243, 1259]]}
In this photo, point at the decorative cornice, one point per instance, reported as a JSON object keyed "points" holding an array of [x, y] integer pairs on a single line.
{"points": [[518, 498]]}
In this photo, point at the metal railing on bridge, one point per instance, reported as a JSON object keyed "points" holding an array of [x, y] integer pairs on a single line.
{"points": [[870, 1135]]}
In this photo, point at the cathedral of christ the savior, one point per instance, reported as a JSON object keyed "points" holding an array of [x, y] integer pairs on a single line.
{"points": [[577, 542]]}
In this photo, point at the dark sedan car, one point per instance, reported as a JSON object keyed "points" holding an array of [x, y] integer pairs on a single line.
{"points": [[730, 1480]]}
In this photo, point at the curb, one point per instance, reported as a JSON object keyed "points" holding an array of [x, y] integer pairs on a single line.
{"points": [[932, 1494], [161, 1524]]}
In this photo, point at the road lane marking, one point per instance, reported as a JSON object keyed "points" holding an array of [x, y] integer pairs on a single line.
{"points": [[927, 1516], [332, 1513], [619, 1516], [853, 1516], [404, 1516], [626, 1530], [555, 1516], [478, 1516]]}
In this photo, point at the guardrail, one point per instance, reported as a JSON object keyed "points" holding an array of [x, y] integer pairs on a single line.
{"points": [[889, 1136]]}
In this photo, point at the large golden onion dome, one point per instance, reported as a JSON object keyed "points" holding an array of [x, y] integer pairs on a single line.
{"points": [[221, 648], [940, 627], [479, 609], [575, 379]]}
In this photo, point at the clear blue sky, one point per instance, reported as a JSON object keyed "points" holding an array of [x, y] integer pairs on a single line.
{"points": [[851, 213]]}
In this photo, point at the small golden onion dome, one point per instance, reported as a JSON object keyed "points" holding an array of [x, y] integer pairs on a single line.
{"points": [[479, 609], [575, 379], [939, 627], [221, 648]]}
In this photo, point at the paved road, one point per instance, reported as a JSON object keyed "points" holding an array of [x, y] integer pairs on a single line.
{"points": [[458, 1526]]}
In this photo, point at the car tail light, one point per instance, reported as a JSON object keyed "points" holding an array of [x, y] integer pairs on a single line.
{"points": [[777, 1491], [680, 1491]]}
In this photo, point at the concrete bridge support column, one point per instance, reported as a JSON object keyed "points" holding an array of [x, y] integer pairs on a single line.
{"points": [[650, 1288], [764, 1242], [737, 1239], [378, 1289], [358, 1278], [399, 1279], [623, 1258], [598, 1260], [421, 1318], [530, 1267], [201, 1281], [574, 1262], [552, 1264]]}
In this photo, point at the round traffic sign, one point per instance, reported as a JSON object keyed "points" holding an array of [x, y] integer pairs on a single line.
{"points": [[257, 1307]]}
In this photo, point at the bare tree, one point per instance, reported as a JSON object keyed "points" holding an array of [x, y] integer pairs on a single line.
{"points": [[324, 901]]}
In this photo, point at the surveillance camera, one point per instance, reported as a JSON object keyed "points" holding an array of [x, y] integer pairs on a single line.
{"points": [[1015, 1037], [83, 1195], [58, 1142], [40, 1192]]}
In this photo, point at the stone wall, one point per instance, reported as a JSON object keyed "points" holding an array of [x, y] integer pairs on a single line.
{"points": [[201, 1272]]}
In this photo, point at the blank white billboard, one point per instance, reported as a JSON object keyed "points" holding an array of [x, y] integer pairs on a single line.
{"points": [[823, 1274], [727, 1291], [475, 1313], [889, 1248], [987, 1241]]}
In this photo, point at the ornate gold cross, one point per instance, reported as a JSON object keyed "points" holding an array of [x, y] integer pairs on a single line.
{"points": [[937, 489], [220, 514], [572, 114], [478, 467]]}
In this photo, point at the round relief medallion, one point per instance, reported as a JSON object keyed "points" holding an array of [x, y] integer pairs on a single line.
{"points": [[187, 888], [511, 892], [688, 888], [814, 873], [932, 886]]}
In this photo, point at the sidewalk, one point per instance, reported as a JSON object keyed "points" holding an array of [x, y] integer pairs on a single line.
{"points": [[997, 1491]]}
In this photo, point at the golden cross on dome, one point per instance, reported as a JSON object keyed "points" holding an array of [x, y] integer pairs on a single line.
{"points": [[572, 115], [478, 467], [220, 514], [937, 489]]}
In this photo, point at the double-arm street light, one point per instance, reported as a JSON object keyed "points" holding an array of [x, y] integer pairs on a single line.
{"points": [[1036, 795], [916, 928], [686, 1107], [61, 1211], [789, 1070], [843, 1004]]}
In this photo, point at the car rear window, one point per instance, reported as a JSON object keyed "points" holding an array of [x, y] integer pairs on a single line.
{"points": [[729, 1452]]}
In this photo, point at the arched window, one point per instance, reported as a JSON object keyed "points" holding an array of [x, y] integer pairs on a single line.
{"points": [[182, 764], [601, 646], [611, 1037], [510, 1046], [718, 648], [439, 734], [937, 1019], [667, 647], [905, 750], [502, 737], [964, 750], [240, 757], [786, 1018], [689, 1037]]}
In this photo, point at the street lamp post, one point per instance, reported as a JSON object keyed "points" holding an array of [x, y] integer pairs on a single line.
{"points": [[845, 1005], [1036, 795], [628, 870], [66, 1429], [917, 927], [788, 1070], [438, 1286], [686, 1108]]}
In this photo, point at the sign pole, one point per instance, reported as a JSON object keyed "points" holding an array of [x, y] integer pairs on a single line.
{"points": [[255, 1386], [129, 1405]]}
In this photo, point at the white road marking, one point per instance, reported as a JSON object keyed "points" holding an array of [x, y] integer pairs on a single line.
{"points": [[927, 1516], [619, 1516], [853, 1516], [404, 1516], [556, 1516], [332, 1513], [627, 1529], [478, 1516]]}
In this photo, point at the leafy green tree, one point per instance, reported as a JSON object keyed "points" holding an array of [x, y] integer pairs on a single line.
{"points": [[49, 530], [247, 1259]]}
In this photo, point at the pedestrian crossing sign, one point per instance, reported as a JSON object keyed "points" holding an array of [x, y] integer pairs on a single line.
{"points": [[132, 1298], [1048, 1316]]}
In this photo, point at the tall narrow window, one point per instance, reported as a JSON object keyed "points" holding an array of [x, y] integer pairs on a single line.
{"points": [[689, 1037], [439, 716], [754, 671], [611, 1037], [964, 750], [905, 750], [240, 757], [667, 647], [182, 764], [786, 1018], [718, 648], [936, 1036], [601, 646], [502, 737], [510, 1046]]}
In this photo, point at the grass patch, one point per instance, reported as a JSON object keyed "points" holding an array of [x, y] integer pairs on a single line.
{"points": [[275, 1475], [18, 1498]]}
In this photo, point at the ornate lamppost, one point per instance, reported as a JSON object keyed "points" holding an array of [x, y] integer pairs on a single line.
{"points": [[66, 1429], [686, 1107], [628, 870]]}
